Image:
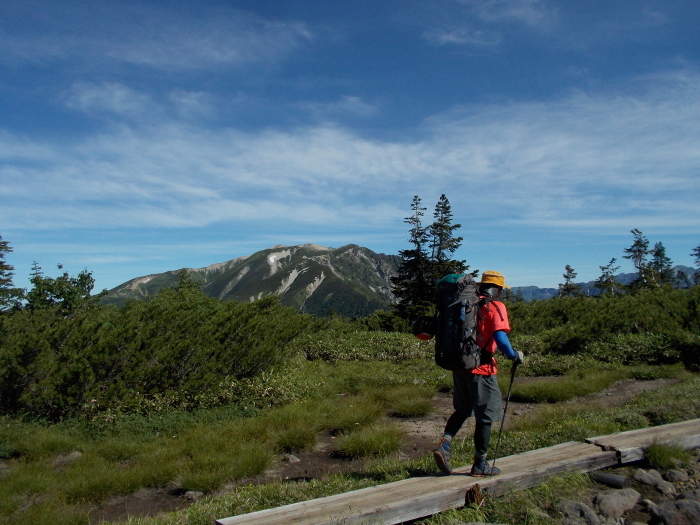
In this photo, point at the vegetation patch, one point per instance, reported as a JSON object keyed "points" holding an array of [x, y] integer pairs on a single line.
{"points": [[663, 456], [574, 384], [375, 440]]}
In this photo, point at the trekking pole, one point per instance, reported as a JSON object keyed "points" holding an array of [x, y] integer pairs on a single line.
{"points": [[503, 420]]}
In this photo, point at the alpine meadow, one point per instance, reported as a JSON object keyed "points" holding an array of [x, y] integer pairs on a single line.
{"points": [[184, 392]]}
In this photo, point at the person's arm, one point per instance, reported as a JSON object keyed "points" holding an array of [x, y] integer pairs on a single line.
{"points": [[503, 343]]}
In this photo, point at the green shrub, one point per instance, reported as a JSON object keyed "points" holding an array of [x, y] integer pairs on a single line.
{"points": [[635, 348], [364, 346], [164, 352]]}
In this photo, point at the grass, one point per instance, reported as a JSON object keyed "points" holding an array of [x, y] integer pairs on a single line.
{"points": [[407, 401], [663, 456], [574, 384], [375, 440], [55, 472]]}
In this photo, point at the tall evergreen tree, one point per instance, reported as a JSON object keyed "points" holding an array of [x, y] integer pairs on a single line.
{"points": [[10, 296], [606, 281], [412, 284], [568, 288], [637, 253], [681, 280], [660, 267], [696, 254], [443, 242], [419, 271]]}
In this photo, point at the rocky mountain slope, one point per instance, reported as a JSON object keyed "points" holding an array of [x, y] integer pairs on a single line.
{"points": [[351, 280]]}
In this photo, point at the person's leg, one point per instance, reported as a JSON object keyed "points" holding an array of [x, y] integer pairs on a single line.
{"points": [[462, 405], [482, 437], [487, 410]]}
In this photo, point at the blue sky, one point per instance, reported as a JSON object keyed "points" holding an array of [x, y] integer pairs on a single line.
{"points": [[140, 137]]}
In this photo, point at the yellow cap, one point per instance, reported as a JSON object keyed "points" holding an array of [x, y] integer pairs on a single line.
{"points": [[492, 277]]}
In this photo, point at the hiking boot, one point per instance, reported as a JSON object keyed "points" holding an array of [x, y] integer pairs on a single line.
{"points": [[442, 456], [482, 468]]}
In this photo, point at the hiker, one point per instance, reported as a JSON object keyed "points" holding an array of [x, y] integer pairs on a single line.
{"points": [[476, 391]]}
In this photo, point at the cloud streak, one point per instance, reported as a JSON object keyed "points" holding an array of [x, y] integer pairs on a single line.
{"points": [[584, 161], [123, 33]]}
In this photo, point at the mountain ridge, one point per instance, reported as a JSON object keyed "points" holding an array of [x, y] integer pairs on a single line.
{"points": [[351, 280]]}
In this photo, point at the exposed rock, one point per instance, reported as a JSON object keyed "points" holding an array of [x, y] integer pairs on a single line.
{"points": [[679, 512], [614, 503], [691, 494], [650, 506], [193, 495], [648, 477], [666, 488], [577, 513], [654, 479], [676, 476], [290, 458]]}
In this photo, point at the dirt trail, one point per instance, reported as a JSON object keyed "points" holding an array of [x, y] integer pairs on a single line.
{"points": [[422, 435]]}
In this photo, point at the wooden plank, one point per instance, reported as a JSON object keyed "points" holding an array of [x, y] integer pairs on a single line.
{"points": [[685, 434], [532, 468], [418, 497]]}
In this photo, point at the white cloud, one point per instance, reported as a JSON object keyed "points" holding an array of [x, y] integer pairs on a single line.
{"points": [[347, 105], [483, 23], [108, 97], [528, 12], [587, 161], [192, 104], [144, 35], [462, 36]]}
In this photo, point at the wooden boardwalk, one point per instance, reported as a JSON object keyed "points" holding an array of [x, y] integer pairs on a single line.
{"points": [[419, 497]]}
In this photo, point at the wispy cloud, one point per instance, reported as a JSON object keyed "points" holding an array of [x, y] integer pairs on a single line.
{"points": [[346, 106], [109, 97], [484, 23], [462, 36], [125, 33], [528, 12], [586, 161]]}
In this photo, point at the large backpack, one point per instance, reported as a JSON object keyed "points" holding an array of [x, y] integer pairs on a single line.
{"points": [[458, 304]]}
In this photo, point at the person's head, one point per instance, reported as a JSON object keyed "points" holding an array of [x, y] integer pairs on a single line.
{"points": [[492, 284]]}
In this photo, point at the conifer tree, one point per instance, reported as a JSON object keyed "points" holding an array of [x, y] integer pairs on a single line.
{"points": [[443, 242], [606, 281], [419, 271], [412, 284], [637, 253], [696, 253], [568, 288], [660, 266], [69, 294], [10, 296]]}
